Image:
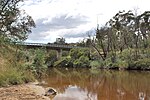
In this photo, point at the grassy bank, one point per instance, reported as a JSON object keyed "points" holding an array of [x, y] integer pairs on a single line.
{"points": [[11, 66]]}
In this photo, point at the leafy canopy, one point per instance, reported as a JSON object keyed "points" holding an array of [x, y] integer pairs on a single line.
{"points": [[15, 24]]}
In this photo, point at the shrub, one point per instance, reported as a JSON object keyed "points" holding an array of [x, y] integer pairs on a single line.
{"points": [[51, 58], [83, 61], [38, 65], [12, 70], [120, 64], [143, 64], [13, 76], [76, 58], [95, 64], [74, 53], [77, 53], [64, 62], [107, 63]]}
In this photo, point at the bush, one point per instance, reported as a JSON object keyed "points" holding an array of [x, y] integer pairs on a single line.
{"points": [[76, 58], [51, 58], [13, 76], [95, 64], [107, 63], [120, 65], [64, 62], [77, 53], [143, 64], [114, 63], [74, 53], [38, 65], [12, 69], [83, 61]]}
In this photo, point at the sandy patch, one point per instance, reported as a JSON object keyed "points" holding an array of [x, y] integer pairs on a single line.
{"points": [[23, 92]]}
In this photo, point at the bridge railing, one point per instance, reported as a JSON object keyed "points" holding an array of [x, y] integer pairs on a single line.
{"points": [[49, 45]]}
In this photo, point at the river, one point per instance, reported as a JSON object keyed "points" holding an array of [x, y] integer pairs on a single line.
{"points": [[86, 84]]}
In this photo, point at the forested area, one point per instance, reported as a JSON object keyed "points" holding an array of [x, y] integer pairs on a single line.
{"points": [[123, 43]]}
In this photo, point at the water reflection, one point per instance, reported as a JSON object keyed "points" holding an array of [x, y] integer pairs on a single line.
{"points": [[85, 84], [75, 93]]}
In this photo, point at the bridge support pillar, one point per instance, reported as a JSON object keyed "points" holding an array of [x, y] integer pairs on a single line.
{"points": [[59, 54]]}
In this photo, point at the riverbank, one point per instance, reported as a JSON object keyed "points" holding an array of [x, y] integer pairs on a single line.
{"points": [[28, 91]]}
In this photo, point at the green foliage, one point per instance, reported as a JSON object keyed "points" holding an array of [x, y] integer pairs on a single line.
{"points": [[76, 58], [12, 70], [50, 58], [38, 66], [80, 57], [29, 63], [83, 61], [141, 64], [94, 55], [120, 64], [65, 53], [14, 23], [127, 55], [107, 63], [37, 60], [77, 53], [64, 62], [13, 76], [74, 53], [95, 64], [124, 39]]}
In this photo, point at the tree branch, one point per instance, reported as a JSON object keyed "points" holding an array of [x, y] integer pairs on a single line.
{"points": [[5, 4]]}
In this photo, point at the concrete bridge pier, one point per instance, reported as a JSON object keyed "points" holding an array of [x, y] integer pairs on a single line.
{"points": [[59, 54]]}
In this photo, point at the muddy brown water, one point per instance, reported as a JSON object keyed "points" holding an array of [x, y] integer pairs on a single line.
{"points": [[86, 84]]}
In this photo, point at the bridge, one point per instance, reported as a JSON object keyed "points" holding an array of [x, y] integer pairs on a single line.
{"points": [[50, 46]]}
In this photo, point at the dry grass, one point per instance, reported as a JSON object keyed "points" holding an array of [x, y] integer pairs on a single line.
{"points": [[2, 63], [11, 70]]}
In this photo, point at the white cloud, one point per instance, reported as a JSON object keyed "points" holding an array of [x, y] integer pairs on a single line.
{"points": [[92, 9], [75, 93]]}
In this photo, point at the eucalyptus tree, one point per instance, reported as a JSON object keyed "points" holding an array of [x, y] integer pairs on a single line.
{"points": [[125, 30], [113, 36], [144, 28], [103, 41], [121, 24], [131, 28], [15, 24]]}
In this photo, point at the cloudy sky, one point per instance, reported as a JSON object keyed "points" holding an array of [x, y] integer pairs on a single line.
{"points": [[73, 19]]}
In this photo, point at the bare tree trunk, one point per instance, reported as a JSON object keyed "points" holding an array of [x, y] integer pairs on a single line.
{"points": [[101, 55]]}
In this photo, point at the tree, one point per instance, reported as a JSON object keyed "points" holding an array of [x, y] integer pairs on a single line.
{"points": [[14, 23], [125, 30], [132, 30], [144, 27], [121, 23], [96, 43]]}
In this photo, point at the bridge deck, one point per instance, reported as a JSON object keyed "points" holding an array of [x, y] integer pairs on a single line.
{"points": [[49, 46]]}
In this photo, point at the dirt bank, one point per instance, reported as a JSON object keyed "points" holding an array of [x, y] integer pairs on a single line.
{"points": [[23, 92]]}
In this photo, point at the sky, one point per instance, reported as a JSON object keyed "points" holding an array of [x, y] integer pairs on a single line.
{"points": [[74, 19]]}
